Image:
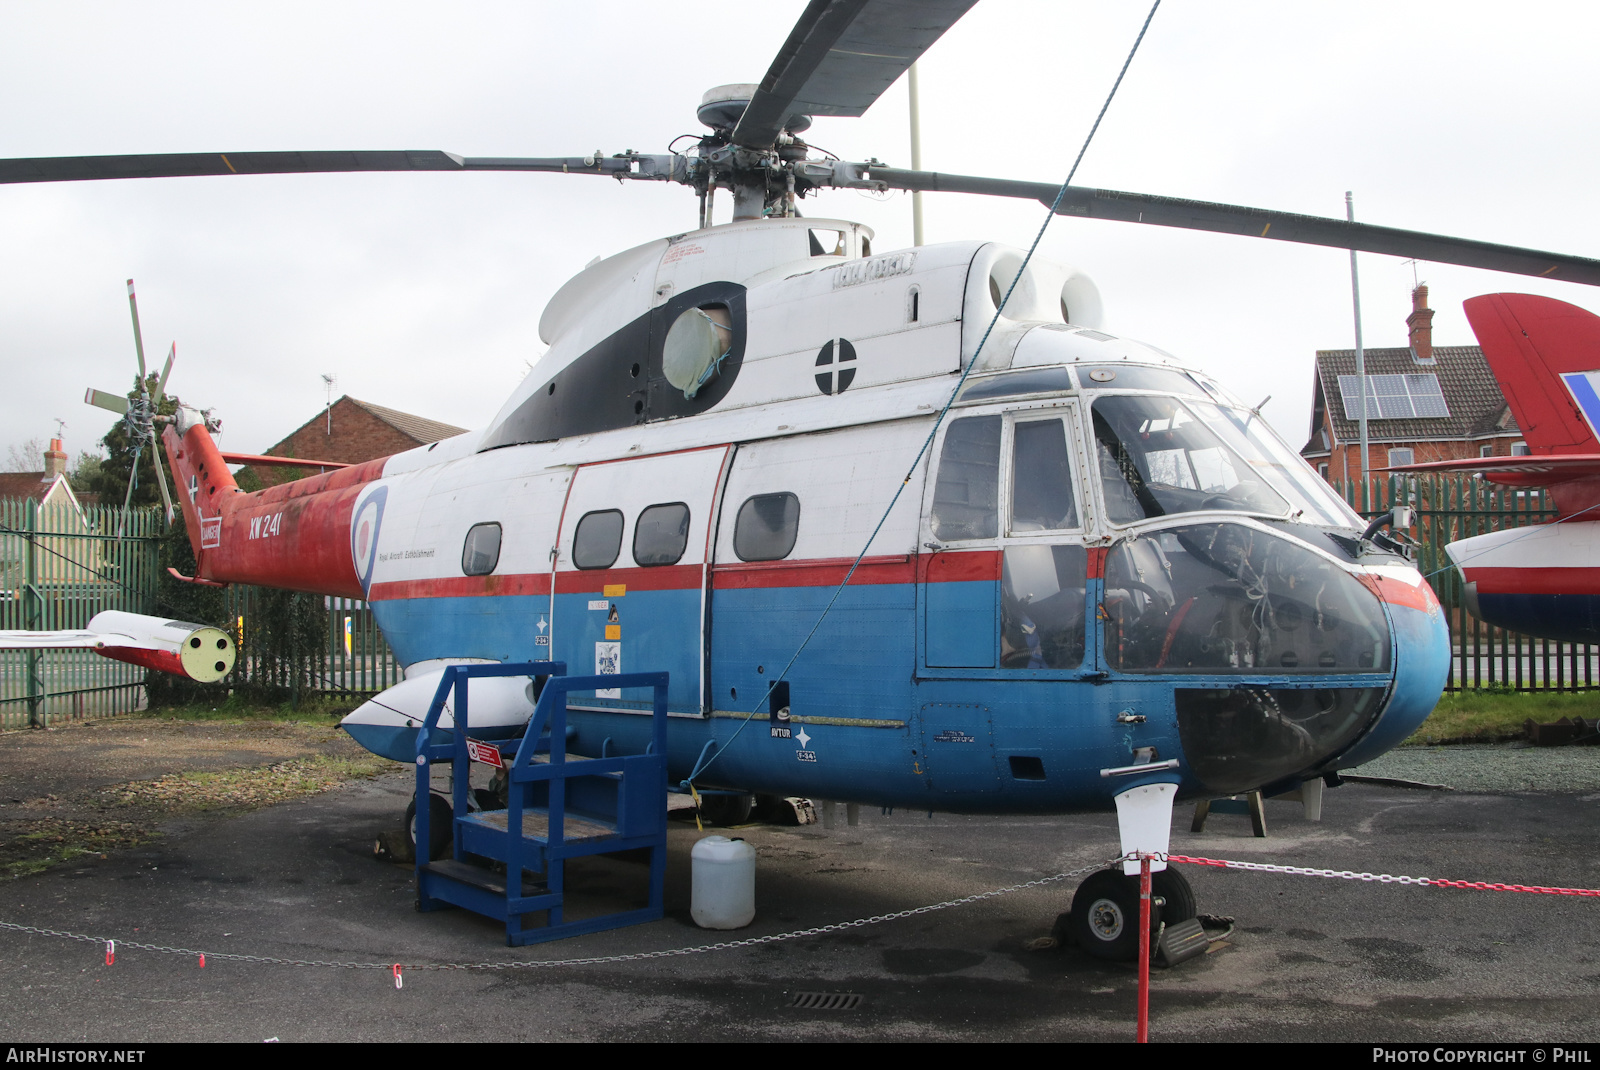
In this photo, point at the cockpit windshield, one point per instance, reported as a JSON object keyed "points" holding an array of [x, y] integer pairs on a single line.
{"points": [[1159, 456]]}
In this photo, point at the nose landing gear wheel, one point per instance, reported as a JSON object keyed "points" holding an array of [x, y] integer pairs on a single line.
{"points": [[440, 830], [1105, 915]]}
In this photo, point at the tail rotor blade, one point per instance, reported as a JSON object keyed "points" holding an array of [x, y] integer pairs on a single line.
{"points": [[166, 370], [138, 339], [112, 402], [161, 476]]}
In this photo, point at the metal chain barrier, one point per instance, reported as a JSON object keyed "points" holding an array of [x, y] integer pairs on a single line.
{"points": [[596, 960], [1382, 878]]}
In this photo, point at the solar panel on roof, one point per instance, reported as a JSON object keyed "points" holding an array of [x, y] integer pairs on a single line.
{"points": [[1394, 397]]}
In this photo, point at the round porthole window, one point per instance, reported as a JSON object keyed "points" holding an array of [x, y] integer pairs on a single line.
{"points": [[695, 346]]}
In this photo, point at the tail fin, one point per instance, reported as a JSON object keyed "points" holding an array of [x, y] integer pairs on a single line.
{"points": [[203, 481], [1545, 355]]}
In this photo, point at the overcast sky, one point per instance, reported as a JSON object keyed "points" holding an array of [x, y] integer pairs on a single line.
{"points": [[423, 291]]}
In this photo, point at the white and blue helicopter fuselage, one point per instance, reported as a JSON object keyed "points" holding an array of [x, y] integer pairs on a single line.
{"points": [[1100, 561]]}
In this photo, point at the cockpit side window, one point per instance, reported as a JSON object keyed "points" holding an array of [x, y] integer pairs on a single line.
{"points": [[1042, 498], [966, 499], [1158, 458]]}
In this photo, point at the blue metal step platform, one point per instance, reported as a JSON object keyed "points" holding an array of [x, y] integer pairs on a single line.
{"points": [[560, 806]]}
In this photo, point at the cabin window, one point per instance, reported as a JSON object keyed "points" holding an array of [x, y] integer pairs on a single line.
{"points": [[660, 534], [695, 346], [1137, 377], [827, 243], [1041, 607], [1041, 479], [766, 527], [481, 551], [966, 499], [598, 539]]}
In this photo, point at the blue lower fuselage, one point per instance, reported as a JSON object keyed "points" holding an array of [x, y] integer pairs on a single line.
{"points": [[869, 719]]}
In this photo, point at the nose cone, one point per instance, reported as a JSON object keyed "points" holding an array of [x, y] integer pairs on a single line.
{"points": [[1421, 663]]}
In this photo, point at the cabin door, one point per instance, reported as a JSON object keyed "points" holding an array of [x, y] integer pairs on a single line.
{"points": [[631, 572]]}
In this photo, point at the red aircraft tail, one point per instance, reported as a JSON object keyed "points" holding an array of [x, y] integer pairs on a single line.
{"points": [[1531, 343], [294, 536], [1545, 355]]}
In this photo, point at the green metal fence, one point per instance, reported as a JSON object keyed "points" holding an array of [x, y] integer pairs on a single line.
{"points": [[59, 566], [1456, 507], [349, 656]]}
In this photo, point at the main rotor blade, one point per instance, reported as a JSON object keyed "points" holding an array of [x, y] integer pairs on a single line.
{"points": [[183, 164], [192, 164], [840, 57], [1258, 223]]}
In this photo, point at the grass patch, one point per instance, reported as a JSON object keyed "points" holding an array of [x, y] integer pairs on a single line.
{"points": [[1493, 715], [236, 708], [247, 789], [53, 841]]}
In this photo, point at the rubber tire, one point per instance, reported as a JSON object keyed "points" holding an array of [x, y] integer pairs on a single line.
{"points": [[441, 827], [1110, 900], [726, 810], [1173, 886]]}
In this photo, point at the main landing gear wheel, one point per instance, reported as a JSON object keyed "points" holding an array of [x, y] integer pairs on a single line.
{"points": [[1104, 918], [726, 810], [440, 827], [1178, 898]]}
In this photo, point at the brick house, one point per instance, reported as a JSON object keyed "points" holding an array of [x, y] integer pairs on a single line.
{"points": [[49, 487], [1424, 403], [350, 431]]}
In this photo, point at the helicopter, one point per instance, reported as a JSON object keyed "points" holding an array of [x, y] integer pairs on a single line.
{"points": [[1106, 585]]}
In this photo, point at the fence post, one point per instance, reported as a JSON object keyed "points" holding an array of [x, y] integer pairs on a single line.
{"points": [[33, 615]]}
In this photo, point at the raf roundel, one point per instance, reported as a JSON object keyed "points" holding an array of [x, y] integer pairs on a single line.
{"points": [[837, 361]]}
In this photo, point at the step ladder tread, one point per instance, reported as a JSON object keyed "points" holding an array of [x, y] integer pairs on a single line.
{"points": [[536, 825], [476, 876]]}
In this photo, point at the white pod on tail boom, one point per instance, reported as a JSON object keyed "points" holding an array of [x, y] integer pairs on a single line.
{"points": [[197, 651]]}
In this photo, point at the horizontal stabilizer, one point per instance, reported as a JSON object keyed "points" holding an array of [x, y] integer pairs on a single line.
{"points": [[262, 461], [1528, 471]]}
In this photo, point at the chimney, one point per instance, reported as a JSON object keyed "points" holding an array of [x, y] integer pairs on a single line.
{"points": [[1420, 323], [55, 461]]}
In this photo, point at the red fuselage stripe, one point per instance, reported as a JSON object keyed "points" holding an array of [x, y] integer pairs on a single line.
{"points": [[1535, 580], [983, 565]]}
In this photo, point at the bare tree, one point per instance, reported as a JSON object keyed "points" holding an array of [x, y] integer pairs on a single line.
{"points": [[29, 457]]}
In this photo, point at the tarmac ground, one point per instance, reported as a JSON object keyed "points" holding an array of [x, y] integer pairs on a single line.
{"points": [[1311, 959]]}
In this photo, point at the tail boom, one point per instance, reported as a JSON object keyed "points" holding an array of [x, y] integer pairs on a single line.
{"points": [[294, 536]]}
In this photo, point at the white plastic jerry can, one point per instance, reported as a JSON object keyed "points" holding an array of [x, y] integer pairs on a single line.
{"points": [[723, 883]]}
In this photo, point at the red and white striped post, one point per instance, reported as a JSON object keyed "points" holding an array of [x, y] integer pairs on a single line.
{"points": [[1144, 949]]}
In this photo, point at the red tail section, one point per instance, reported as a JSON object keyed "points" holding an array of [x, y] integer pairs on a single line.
{"points": [[1530, 343], [295, 536]]}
